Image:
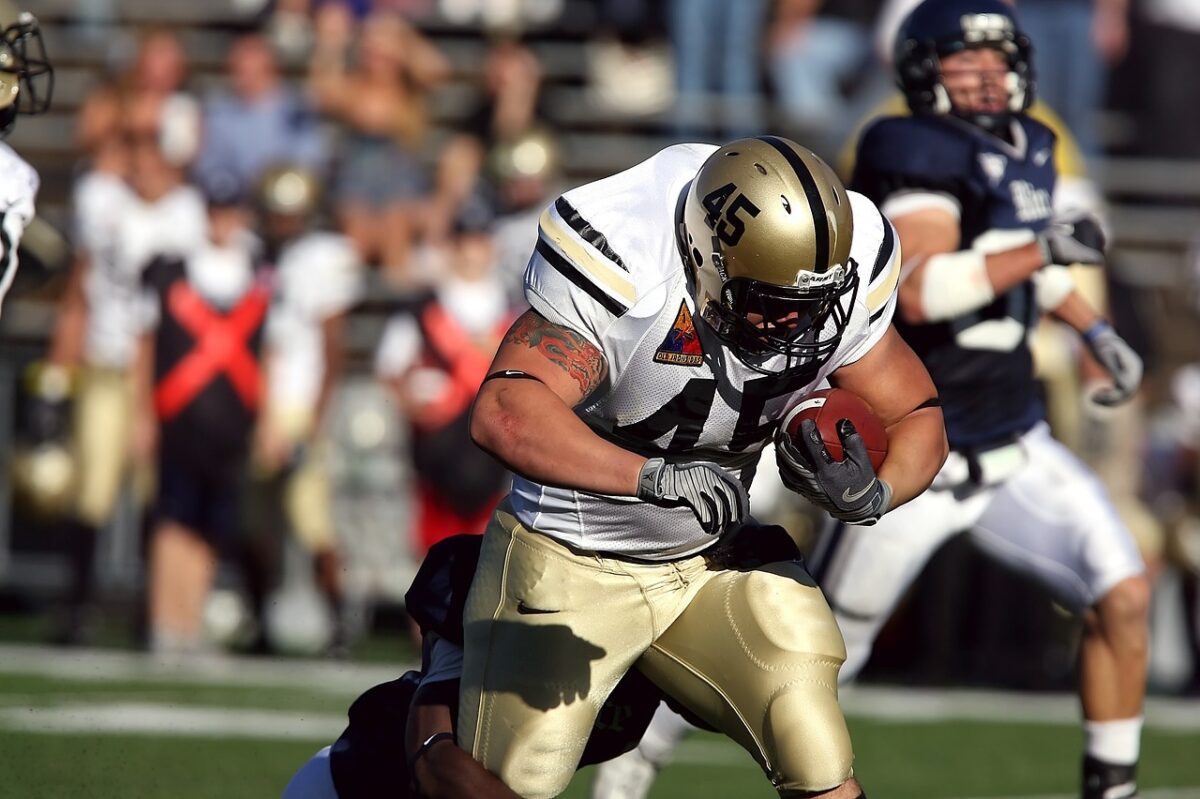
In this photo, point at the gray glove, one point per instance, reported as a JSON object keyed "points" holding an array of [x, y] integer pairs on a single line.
{"points": [[848, 489], [1075, 240], [718, 499], [1116, 356]]}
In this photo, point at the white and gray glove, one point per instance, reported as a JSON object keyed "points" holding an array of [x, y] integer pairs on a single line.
{"points": [[1119, 359], [848, 489], [1077, 239], [718, 498]]}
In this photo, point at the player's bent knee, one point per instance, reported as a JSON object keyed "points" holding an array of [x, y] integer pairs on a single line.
{"points": [[850, 789], [1127, 604], [808, 745]]}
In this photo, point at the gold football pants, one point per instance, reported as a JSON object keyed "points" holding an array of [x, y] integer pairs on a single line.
{"points": [[550, 630]]}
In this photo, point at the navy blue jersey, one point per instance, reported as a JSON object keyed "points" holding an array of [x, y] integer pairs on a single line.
{"points": [[980, 361]]}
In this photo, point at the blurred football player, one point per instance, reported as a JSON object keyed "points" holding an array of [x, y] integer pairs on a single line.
{"points": [[968, 182], [679, 309], [318, 278], [26, 84]]}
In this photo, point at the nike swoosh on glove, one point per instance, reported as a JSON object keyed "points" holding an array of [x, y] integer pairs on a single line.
{"points": [[718, 499], [848, 489], [1119, 360]]}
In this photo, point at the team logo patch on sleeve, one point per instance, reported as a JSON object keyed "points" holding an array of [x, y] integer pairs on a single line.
{"points": [[682, 345]]}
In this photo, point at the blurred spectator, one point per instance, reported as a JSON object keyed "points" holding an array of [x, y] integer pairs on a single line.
{"points": [[318, 278], [630, 69], [197, 392], [1072, 68], [433, 360], [717, 46], [381, 102], [812, 52], [119, 225], [149, 99], [258, 121], [507, 110], [500, 14]]}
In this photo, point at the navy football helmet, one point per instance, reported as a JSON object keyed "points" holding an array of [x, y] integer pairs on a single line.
{"points": [[938, 28]]}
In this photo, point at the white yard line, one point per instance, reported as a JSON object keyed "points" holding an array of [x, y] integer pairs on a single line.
{"points": [[1192, 792], [881, 703]]}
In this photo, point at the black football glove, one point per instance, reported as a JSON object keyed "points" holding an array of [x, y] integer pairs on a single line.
{"points": [[848, 489], [1116, 356], [1077, 239], [718, 499]]}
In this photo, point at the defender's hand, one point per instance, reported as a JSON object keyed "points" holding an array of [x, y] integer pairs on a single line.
{"points": [[848, 489], [1119, 359], [718, 499], [1074, 240]]}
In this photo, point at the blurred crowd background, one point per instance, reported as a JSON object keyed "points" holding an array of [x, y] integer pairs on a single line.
{"points": [[357, 184]]}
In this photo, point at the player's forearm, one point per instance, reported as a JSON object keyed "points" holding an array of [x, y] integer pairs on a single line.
{"points": [[1013, 267], [1077, 312], [528, 428], [447, 772], [917, 448]]}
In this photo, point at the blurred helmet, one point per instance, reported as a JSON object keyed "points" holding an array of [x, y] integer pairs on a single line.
{"points": [[42, 466], [938, 28], [26, 77], [766, 232], [289, 190], [534, 154]]}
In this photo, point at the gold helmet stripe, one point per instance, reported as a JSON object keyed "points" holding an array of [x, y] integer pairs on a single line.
{"points": [[813, 193]]}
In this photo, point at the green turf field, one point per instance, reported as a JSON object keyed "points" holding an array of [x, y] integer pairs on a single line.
{"points": [[80, 725]]}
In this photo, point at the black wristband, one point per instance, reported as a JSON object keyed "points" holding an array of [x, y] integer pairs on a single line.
{"points": [[426, 745]]}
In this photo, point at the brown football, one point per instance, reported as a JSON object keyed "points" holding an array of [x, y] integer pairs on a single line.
{"points": [[829, 406]]}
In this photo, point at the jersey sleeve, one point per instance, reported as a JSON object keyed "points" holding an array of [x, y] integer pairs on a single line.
{"points": [[904, 165], [574, 279], [879, 286]]}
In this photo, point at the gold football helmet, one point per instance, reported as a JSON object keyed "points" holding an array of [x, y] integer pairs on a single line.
{"points": [[766, 231], [26, 77]]}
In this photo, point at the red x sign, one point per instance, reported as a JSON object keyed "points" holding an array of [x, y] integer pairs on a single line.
{"points": [[222, 346]]}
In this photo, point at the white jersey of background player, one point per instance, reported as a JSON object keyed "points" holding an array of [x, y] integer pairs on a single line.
{"points": [[627, 292], [26, 80]]}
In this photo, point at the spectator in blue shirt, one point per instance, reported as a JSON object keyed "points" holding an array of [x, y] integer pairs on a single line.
{"points": [[259, 122]]}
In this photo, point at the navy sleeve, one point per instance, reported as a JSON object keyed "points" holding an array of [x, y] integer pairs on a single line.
{"points": [[438, 593], [899, 154]]}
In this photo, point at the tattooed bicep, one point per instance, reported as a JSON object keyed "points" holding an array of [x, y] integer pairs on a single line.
{"points": [[563, 347]]}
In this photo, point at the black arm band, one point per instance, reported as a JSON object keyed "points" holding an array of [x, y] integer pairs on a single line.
{"points": [[511, 374], [932, 402], [429, 743]]}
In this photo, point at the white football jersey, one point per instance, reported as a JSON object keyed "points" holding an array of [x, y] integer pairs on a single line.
{"points": [[318, 276], [18, 190], [607, 266], [121, 233]]}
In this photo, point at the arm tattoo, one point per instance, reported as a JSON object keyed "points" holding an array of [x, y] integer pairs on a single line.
{"points": [[570, 351]]}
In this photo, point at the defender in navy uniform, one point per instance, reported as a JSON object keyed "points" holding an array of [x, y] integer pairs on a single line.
{"points": [[968, 181], [400, 739]]}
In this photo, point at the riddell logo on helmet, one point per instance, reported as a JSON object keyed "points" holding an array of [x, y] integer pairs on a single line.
{"points": [[984, 27]]}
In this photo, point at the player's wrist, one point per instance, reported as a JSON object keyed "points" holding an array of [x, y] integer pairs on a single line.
{"points": [[1095, 330]]}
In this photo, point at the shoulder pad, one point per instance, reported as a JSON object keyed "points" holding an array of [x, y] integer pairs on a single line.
{"points": [[438, 593], [898, 153]]}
